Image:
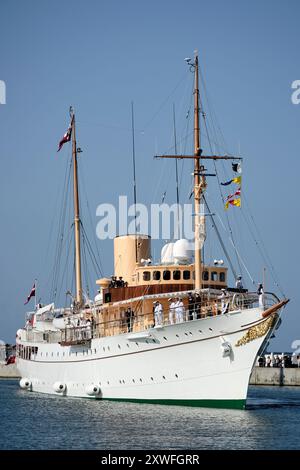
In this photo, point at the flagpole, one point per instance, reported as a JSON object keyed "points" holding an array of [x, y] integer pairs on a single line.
{"points": [[35, 293]]}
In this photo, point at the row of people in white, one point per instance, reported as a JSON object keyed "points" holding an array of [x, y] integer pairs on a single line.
{"points": [[176, 312]]}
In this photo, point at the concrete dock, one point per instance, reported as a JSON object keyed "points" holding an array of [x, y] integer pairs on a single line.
{"points": [[9, 372], [275, 376]]}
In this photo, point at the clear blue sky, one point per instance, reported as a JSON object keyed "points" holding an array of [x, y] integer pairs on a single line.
{"points": [[99, 56]]}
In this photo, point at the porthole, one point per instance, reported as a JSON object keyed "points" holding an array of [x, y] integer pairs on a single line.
{"points": [[120, 381], [164, 377], [123, 381], [108, 348], [177, 336], [166, 339], [186, 334], [176, 376], [141, 380], [210, 329], [133, 381], [119, 346], [137, 344], [151, 378], [191, 333], [95, 350], [127, 345], [103, 349], [200, 331], [108, 382]]}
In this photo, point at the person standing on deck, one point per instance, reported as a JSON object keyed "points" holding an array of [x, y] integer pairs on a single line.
{"points": [[172, 311], [158, 313], [179, 309], [238, 283], [191, 306], [260, 293]]}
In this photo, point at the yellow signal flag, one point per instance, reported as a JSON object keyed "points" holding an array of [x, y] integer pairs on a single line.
{"points": [[233, 202], [237, 180], [237, 202]]}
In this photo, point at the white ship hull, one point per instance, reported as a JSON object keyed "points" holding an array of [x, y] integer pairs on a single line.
{"points": [[176, 364]]}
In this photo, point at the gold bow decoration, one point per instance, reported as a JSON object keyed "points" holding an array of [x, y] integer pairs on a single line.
{"points": [[257, 331]]}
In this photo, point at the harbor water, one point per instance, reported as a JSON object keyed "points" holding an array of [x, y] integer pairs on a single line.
{"points": [[34, 421]]}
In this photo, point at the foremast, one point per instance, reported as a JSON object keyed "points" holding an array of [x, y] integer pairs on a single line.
{"points": [[79, 297]]}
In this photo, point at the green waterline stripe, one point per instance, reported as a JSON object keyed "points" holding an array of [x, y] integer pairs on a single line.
{"points": [[230, 404]]}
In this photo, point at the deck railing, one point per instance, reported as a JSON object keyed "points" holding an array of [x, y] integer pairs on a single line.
{"points": [[229, 304]]}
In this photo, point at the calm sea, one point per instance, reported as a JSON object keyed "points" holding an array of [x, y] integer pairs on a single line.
{"points": [[33, 421]]}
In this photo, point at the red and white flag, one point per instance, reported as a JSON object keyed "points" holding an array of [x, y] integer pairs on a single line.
{"points": [[66, 138], [32, 294]]}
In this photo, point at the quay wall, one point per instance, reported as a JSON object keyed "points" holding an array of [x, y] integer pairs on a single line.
{"points": [[9, 371], [275, 376]]}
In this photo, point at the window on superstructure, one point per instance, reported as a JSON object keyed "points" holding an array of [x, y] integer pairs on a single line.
{"points": [[146, 276], [156, 275], [176, 275], [214, 276], [186, 275], [205, 276], [222, 276], [166, 275]]}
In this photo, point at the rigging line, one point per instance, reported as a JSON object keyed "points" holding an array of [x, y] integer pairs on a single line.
{"points": [[238, 254], [85, 267], [185, 139], [265, 258], [61, 227], [212, 112], [82, 181], [219, 186], [214, 225], [92, 254], [66, 264], [165, 101], [263, 244], [224, 145]]}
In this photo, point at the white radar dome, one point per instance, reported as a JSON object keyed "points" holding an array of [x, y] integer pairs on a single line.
{"points": [[167, 254], [182, 251]]}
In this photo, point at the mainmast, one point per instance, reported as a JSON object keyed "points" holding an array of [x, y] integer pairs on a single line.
{"points": [[199, 175], [197, 184], [76, 216]]}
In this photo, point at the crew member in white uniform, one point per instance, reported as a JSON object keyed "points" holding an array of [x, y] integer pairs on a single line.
{"points": [[179, 309], [172, 311], [158, 313]]}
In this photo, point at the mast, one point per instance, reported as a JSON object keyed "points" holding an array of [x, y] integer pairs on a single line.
{"points": [[197, 184], [76, 215], [134, 182], [199, 175]]}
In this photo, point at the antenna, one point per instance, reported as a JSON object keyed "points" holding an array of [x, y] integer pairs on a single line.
{"points": [[134, 180]]}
